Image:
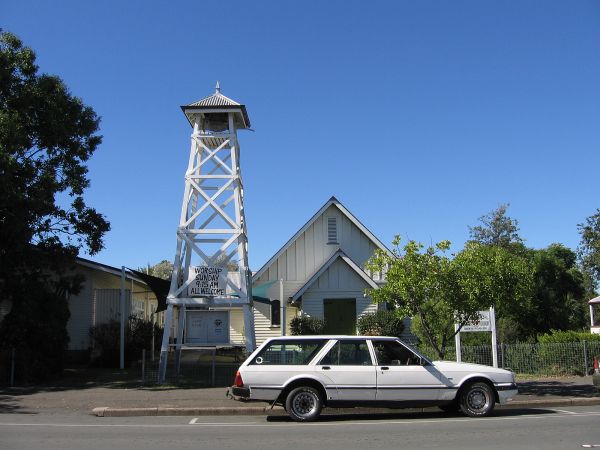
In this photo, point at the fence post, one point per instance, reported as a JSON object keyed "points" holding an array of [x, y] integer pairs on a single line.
{"points": [[214, 357], [12, 367], [143, 365], [585, 360]]}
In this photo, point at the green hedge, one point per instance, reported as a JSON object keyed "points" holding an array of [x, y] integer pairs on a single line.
{"points": [[555, 337], [306, 325], [380, 323]]}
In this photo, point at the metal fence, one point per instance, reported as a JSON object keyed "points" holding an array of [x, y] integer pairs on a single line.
{"points": [[197, 366], [559, 359]]}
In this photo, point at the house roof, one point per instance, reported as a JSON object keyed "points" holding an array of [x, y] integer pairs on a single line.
{"points": [[332, 201], [106, 268], [594, 300], [337, 255]]}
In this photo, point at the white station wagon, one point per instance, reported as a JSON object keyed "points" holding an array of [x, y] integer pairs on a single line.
{"points": [[306, 373]]}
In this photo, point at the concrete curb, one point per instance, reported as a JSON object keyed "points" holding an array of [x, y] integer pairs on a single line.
{"points": [[263, 411]]}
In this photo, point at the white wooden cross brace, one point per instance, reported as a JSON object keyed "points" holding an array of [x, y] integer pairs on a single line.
{"points": [[209, 261], [210, 202], [212, 155], [212, 171], [215, 214]]}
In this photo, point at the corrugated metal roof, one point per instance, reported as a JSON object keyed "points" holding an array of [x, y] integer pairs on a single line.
{"points": [[218, 100]]}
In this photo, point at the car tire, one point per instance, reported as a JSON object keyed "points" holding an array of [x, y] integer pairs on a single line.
{"points": [[304, 404], [477, 400]]}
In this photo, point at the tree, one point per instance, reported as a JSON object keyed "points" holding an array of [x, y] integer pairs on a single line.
{"points": [[589, 247], [439, 292], [497, 229], [559, 296], [163, 269], [46, 137]]}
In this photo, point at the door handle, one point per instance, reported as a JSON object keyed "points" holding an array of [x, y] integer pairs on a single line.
{"points": [[326, 368], [385, 368]]}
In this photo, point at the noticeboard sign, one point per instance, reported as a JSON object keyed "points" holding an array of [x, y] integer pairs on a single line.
{"points": [[483, 324], [207, 327], [207, 281]]}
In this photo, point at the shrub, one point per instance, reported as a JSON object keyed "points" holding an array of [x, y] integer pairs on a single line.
{"points": [[306, 325], [380, 323], [138, 336], [556, 337]]}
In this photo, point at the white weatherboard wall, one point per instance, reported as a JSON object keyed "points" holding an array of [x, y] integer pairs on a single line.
{"points": [[262, 325], [310, 250]]}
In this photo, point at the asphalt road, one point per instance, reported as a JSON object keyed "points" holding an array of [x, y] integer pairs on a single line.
{"points": [[572, 428]]}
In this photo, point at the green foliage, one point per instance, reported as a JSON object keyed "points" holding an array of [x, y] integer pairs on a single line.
{"points": [[46, 137], [438, 292], [162, 269], [380, 323], [138, 336], [558, 300], [589, 247], [306, 325], [497, 229], [557, 336], [36, 329]]}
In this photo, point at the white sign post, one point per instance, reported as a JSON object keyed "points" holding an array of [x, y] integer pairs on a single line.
{"points": [[487, 322]]}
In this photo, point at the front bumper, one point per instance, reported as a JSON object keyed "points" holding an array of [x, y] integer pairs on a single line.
{"points": [[506, 391]]}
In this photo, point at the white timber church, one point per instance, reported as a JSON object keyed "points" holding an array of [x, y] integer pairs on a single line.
{"points": [[318, 272]]}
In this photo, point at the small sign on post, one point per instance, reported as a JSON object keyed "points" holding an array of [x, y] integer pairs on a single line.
{"points": [[486, 322], [207, 281]]}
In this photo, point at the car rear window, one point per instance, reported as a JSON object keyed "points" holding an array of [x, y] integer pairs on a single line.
{"points": [[288, 352]]}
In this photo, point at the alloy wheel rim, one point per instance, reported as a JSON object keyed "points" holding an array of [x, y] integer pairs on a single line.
{"points": [[478, 399], [304, 403]]}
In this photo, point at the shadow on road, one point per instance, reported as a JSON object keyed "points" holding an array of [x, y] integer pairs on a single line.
{"points": [[413, 415], [557, 388]]}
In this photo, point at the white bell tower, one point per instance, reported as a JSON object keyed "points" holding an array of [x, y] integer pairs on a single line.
{"points": [[211, 270]]}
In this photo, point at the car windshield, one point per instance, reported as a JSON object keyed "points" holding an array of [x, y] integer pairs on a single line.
{"points": [[289, 352]]}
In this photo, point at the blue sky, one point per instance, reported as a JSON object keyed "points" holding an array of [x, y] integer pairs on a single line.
{"points": [[419, 116]]}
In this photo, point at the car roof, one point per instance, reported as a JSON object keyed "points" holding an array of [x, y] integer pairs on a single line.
{"points": [[332, 336]]}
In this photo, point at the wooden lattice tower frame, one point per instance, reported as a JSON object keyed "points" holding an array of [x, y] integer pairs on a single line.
{"points": [[212, 226]]}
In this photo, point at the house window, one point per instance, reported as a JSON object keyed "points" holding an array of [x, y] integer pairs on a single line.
{"points": [[275, 313], [332, 230]]}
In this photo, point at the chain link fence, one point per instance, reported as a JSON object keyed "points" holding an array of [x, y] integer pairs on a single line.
{"points": [[557, 359], [201, 367]]}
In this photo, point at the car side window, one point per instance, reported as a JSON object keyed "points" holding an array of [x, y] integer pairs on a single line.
{"points": [[348, 353], [289, 352], [392, 353]]}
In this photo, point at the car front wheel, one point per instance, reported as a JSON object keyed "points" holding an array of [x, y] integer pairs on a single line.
{"points": [[477, 400], [304, 404]]}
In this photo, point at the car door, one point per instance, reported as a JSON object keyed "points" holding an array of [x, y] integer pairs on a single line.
{"points": [[348, 371], [401, 374]]}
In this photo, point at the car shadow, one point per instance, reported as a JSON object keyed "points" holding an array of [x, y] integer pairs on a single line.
{"points": [[351, 416]]}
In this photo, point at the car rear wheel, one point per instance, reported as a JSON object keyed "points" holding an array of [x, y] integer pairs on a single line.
{"points": [[304, 404], [477, 400]]}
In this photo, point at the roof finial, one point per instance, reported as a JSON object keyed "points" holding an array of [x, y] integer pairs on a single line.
{"points": [[218, 87]]}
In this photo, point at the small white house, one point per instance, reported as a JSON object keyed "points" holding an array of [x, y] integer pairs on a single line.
{"points": [[321, 268]]}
